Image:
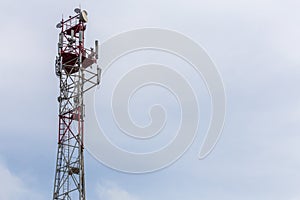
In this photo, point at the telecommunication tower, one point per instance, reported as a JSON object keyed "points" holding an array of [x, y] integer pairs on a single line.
{"points": [[77, 71]]}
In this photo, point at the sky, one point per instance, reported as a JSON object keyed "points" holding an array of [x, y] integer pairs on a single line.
{"points": [[255, 46]]}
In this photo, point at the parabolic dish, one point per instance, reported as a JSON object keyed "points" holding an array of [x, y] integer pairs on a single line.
{"points": [[83, 16]]}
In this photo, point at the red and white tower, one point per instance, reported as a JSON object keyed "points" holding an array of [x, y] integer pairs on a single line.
{"points": [[77, 71]]}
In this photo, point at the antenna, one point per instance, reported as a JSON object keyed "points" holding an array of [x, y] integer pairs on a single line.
{"points": [[58, 25], [83, 16], [77, 10], [96, 48]]}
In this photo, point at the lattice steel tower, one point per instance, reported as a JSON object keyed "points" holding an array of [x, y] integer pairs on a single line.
{"points": [[77, 71]]}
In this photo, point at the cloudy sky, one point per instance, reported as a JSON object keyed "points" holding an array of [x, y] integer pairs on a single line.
{"points": [[255, 45]]}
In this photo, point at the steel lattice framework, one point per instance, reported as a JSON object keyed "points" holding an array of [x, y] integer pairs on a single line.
{"points": [[75, 67]]}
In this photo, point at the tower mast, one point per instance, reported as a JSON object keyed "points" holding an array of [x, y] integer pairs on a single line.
{"points": [[75, 68]]}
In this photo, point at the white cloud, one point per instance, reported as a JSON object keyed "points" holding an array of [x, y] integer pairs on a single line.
{"points": [[110, 191], [13, 188]]}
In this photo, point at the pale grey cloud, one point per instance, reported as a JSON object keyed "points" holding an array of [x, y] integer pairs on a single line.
{"points": [[13, 187], [111, 191]]}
